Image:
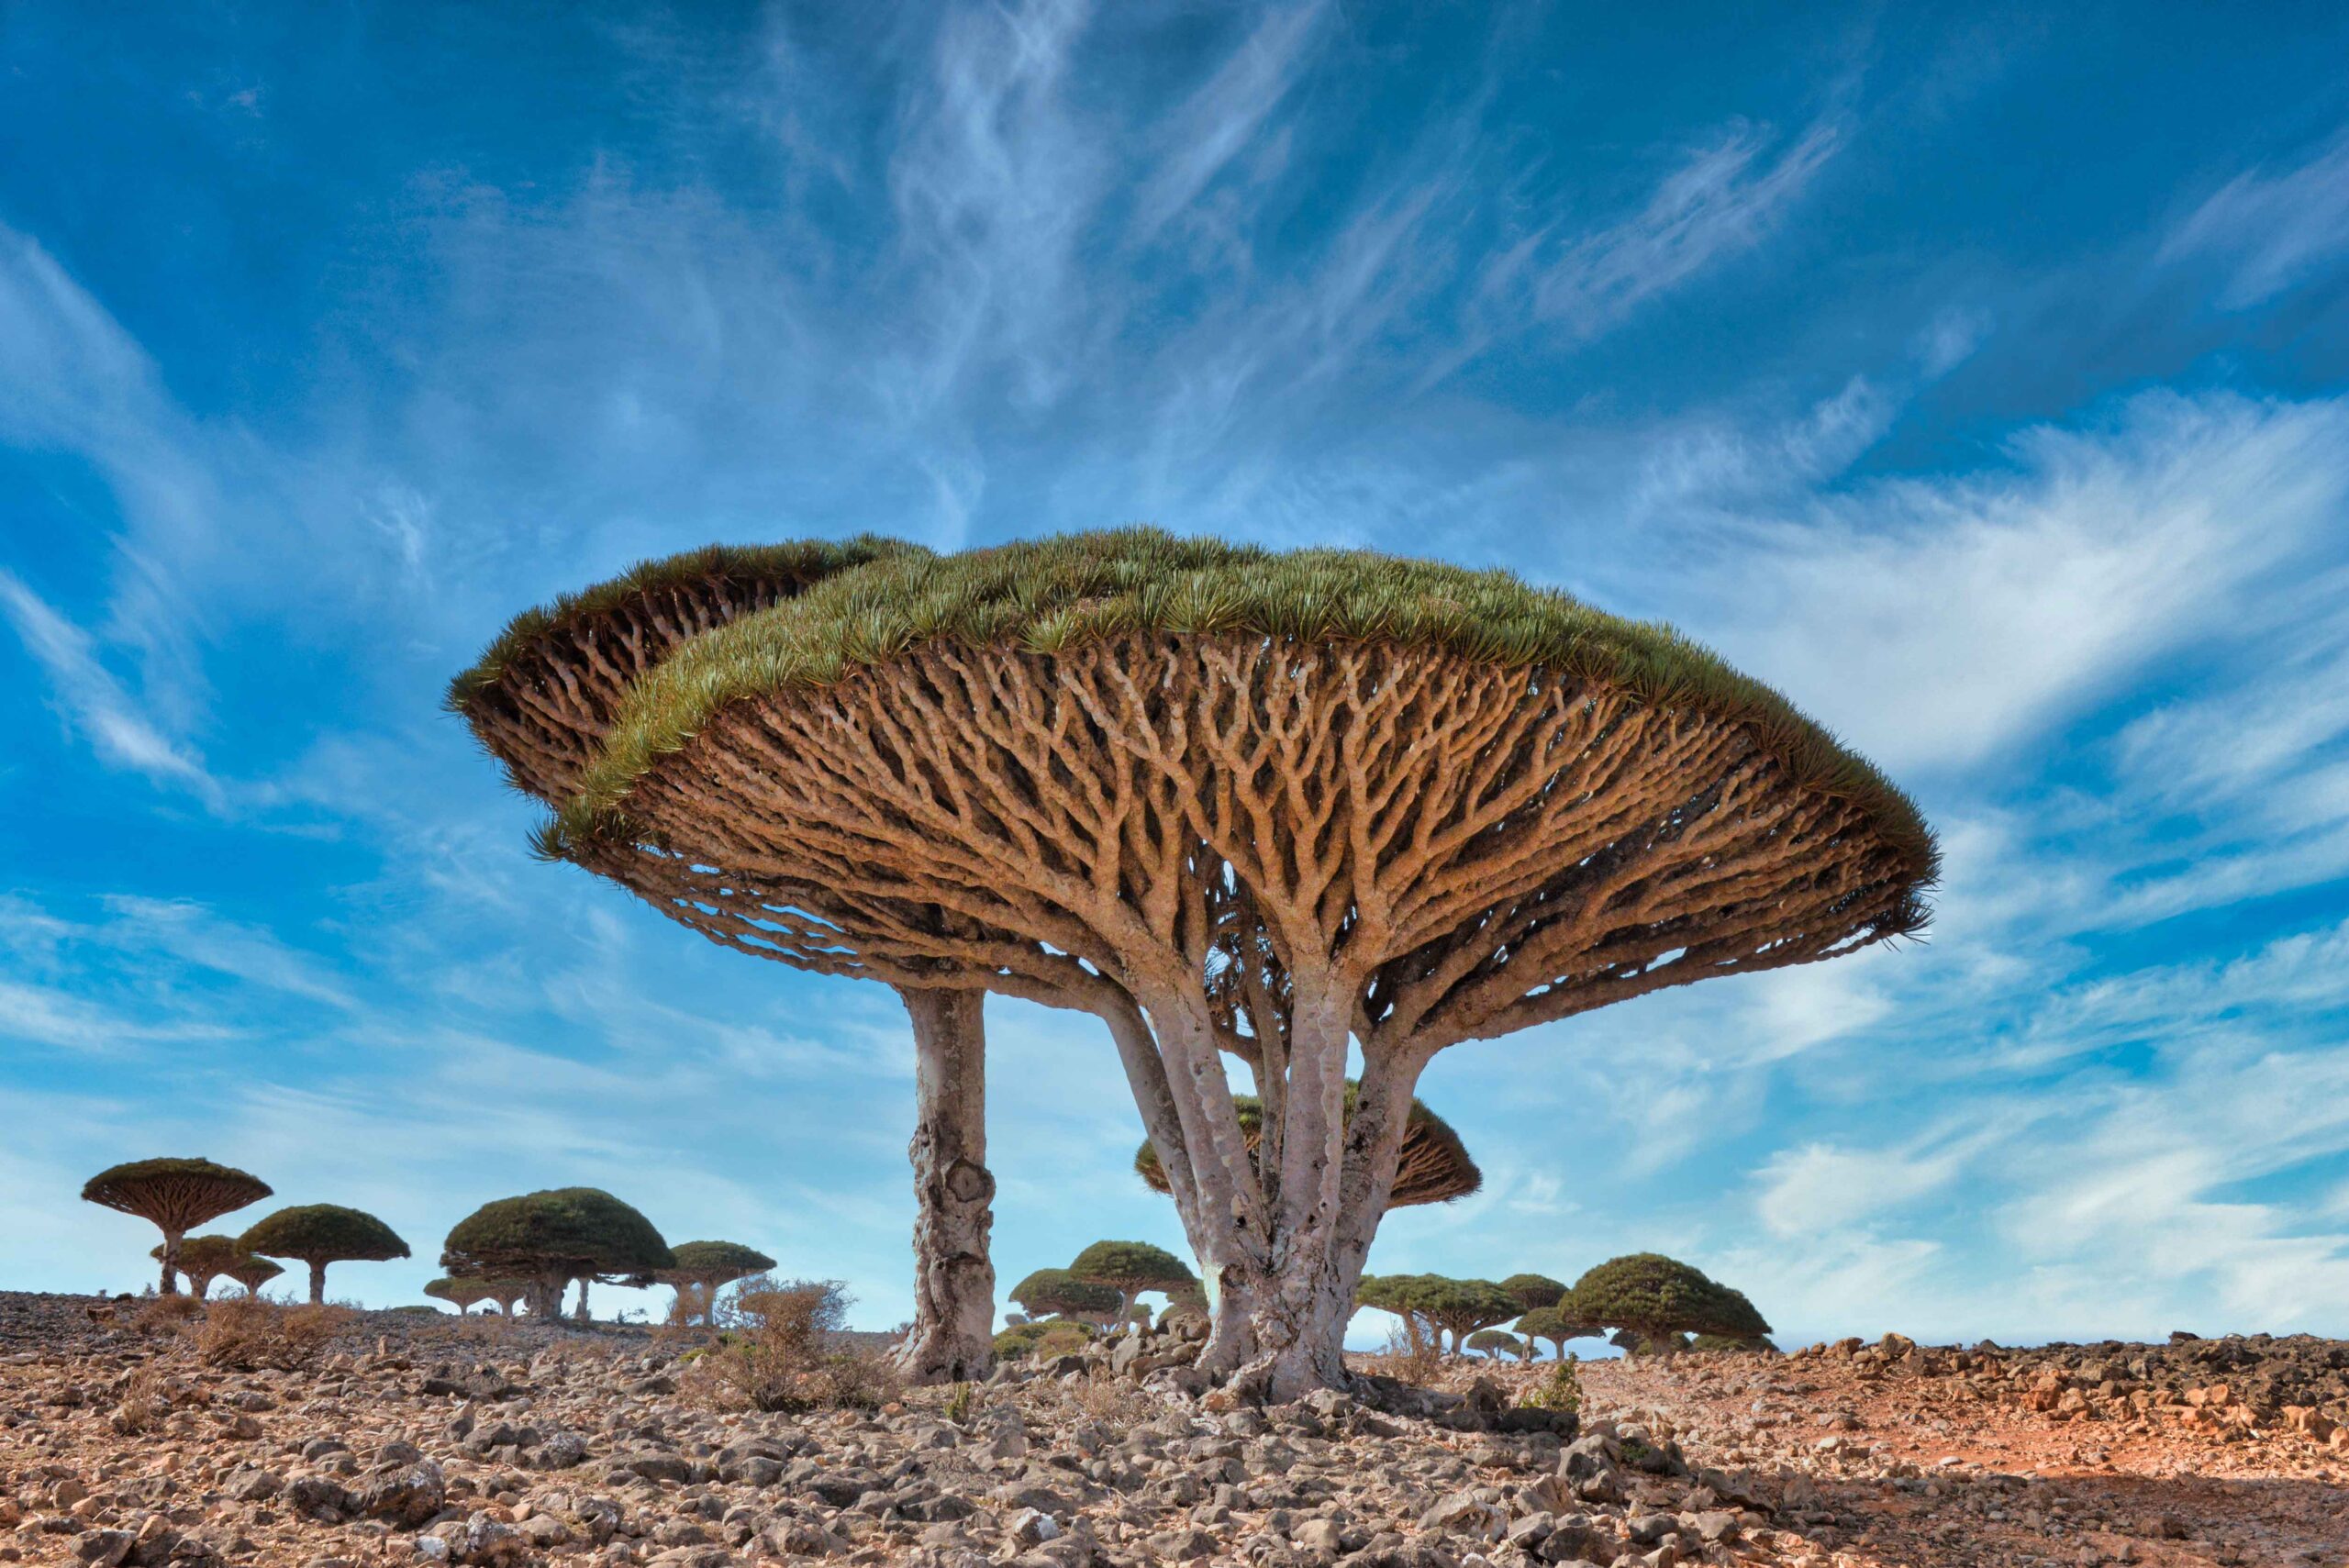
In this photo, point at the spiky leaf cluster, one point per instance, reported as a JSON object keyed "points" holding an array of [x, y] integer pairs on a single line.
{"points": [[713, 1263], [1057, 1291], [1130, 1267], [1534, 1292], [1056, 595], [324, 1233], [566, 1232], [177, 1195], [1660, 1298]]}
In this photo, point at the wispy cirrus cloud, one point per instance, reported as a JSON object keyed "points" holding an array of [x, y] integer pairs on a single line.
{"points": [[2274, 231]]}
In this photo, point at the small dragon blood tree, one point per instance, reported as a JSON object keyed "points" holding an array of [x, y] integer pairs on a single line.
{"points": [[541, 700], [1557, 1324], [254, 1273], [1498, 1343], [1130, 1268], [702, 1268], [1278, 807], [322, 1233], [175, 1196], [204, 1258], [1658, 1299], [549, 1239], [1435, 1166], [1056, 1292], [1533, 1292], [462, 1293]]}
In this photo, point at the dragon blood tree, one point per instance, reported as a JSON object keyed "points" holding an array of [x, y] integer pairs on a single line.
{"points": [[1498, 1343], [541, 700], [1658, 1299], [1249, 804], [1056, 1292], [175, 1196], [1533, 1292], [546, 1239], [702, 1268], [465, 1295], [322, 1233], [1130, 1268], [204, 1258], [1556, 1324], [1435, 1166], [254, 1273]]}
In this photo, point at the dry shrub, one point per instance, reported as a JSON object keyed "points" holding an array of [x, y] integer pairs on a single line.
{"points": [[780, 1351], [1561, 1390], [166, 1314], [1421, 1366], [146, 1401], [246, 1333]]}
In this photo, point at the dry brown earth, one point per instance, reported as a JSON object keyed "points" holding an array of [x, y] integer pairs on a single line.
{"points": [[421, 1440]]}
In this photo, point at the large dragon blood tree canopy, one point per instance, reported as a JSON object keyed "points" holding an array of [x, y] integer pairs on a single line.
{"points": [[1434, 1167], [552, 1238], [322, 1233], [701, 1268], [175, 1196], [1249, 803]]}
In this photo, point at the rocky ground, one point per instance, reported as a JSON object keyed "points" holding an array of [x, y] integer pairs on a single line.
{"points": [[434, 1440]]}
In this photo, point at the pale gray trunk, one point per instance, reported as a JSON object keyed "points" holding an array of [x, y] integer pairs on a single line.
{"points": [[582, 1313], [952, 1336], [171, 1285], [318, 1283]]}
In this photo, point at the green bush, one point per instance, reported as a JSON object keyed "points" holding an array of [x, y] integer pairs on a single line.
{"points": [[1561, 1390]]}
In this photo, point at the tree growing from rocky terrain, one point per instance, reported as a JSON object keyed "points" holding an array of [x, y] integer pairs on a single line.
{"points": [[1653, 1300], [175, 1196], [1268, 806], [549, 1239], [1435, 1166], [1130, 1268], [254, 1273], [322, 1233], [462, 1293], [541, 700], [1556, 1324], [1496, 1343], [1059, 1293], [1462, 1306], [204, 1258], [702, 1268]]}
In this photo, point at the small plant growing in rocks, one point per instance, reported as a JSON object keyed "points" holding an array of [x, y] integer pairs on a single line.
{"points": [[784, 1355], [322, 1233], [175, 1196], [1561, 1391]]}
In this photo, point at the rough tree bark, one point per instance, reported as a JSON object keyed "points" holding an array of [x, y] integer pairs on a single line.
{"points": [[172, 1239], [952, 1340], [318, 1282]]}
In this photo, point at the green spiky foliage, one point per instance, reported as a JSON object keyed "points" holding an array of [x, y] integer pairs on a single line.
{"points": [[741, 568], [204, 1258], [1054, 594], [463, 1294], [702, 1268], [551, 1237], [175, 1196], [1130, 1268], [1534, 1292], [1496, 1343], [1556, 1324], [1058, 1293], [1043, 1341], [1659, 1299], [322, 1233], [1435, 1165], [1461, 1307], [254, 1273]]}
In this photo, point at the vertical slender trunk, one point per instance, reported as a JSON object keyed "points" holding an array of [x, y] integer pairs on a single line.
{"points": [[951, 1339], [171, 1285], [582, 1313], [317, 1282]]}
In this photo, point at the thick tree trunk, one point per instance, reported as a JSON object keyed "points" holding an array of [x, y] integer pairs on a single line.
{"points": [[952, 1336], [171, 1285], [317, 1285]]}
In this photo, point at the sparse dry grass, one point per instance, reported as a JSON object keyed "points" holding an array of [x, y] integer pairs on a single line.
{"points": [[246, 1334], [167, 1314]]}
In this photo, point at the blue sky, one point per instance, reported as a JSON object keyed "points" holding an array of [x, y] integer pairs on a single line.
{"points": [[1978, 379]]}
